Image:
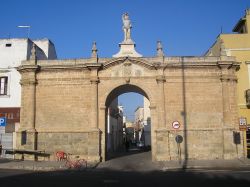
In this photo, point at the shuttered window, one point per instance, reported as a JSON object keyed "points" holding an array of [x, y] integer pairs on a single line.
{"points": [[3, 85]]}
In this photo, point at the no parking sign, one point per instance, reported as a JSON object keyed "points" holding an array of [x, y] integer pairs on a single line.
{"points": [[176, 125]]}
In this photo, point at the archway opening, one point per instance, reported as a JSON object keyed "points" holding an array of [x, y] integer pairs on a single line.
{"points": [[128, 122]]}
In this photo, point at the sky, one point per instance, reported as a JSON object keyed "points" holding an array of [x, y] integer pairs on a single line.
{"points": [[185, 27]]}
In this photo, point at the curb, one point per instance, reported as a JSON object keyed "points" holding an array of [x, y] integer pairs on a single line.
{"points": [[43, 168]]}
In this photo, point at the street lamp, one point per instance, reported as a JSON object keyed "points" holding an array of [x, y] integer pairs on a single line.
{"points": [[25, 26]]}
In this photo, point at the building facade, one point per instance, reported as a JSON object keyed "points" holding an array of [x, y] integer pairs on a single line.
{"points": [[237, 44], [146, 122], [138, 124], [114, 127], [12, 52], [65, 103]]}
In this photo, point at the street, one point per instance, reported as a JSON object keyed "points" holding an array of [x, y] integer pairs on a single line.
{"points": [[134, 168], [105, 177]]}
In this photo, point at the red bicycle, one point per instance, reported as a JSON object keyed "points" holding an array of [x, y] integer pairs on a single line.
{"points": [[75, 163]]}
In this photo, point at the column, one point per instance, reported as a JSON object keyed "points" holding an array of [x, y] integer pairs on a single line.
{"points": [[227, 125], [102, 128], [94, 80], [94, 95], [27, 135], [225, 99], [154, 126], [161, 101]]}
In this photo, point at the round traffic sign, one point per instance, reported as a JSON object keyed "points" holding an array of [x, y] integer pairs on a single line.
{"points": [[176, 125], [179, 139]]}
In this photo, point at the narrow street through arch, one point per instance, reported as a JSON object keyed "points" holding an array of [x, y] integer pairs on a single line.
{"points": [[128, 122]]}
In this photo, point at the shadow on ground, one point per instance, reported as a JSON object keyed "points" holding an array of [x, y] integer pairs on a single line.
{"points": [[105, 177], [131, 151], [5, 160]]}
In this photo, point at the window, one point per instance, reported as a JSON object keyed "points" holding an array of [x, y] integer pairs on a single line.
{"points": [[8, 45], [23, 137], [3, 85]]}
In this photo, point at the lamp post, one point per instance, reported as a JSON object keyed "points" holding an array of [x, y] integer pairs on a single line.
{"points": [[25, 26]]}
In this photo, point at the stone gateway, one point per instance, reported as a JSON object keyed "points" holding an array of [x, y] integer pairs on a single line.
{"points": [[64, 103]]}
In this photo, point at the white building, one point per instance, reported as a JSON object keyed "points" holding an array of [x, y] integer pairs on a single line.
{"points": [[143, 123], [12, 52], [147, 122], [114, 127], [138, 124]]}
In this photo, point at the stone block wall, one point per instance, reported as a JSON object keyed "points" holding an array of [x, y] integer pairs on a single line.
{"points": [[64, 104], [82, 144]]}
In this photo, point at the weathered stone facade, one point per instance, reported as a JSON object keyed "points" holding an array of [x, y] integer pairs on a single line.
{"points": [[64, 104]]}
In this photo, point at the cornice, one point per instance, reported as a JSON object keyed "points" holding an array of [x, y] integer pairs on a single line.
{"points": [[64, 67], [228, 65], [93, 66], [28, 68]]}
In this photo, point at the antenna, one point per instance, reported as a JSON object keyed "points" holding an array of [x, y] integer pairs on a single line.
{"points": [[28, 29], [221, 29]]}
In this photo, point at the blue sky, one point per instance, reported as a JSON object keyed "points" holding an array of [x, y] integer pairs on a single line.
{"points": [[186, 27]]}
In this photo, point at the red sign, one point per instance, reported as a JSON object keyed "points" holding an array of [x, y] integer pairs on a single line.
{"points": [[176, 125], [243, 124], [12, 114]]}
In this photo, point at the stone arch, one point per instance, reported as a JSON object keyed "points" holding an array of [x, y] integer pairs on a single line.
{"points": [[124, 89], [114, 92]]}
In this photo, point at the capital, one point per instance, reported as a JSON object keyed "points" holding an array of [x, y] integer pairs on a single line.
{"points": [[160, 79], [94, 80], [24, 82]]}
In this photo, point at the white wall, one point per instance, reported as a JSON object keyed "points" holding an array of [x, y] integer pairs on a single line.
{"points": [[114, 128], [47, 47], [10, 58], [13, 97], [147, 122]]}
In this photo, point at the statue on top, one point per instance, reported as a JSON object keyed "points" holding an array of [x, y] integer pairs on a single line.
{"points": [[126, 27]]}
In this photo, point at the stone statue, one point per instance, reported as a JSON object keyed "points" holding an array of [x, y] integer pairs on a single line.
{"points": [[127, 46], [126, 27]]}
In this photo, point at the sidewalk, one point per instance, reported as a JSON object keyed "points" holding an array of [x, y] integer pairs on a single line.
{"points": [[205, 164], [142, 162], [131, 163], [35, 165], [31, 165]]}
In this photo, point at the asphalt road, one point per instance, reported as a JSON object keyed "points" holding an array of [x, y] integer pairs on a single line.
{"points": [[110, 178]]}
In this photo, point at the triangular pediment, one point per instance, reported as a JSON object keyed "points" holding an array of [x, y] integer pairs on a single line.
{"points": [[126, 60], [127, 67]]}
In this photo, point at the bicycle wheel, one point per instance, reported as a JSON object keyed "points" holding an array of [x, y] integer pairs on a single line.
{"points": [[68, 164], [82, 163]]}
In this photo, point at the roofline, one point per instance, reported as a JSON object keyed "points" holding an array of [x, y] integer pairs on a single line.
{"points": [[218, 36], [33, 40], [239, 24]]}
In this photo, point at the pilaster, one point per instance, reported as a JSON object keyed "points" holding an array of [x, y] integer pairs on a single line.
{"points": [[94, 80], [27, 132], [161, 79], [228, 80]]}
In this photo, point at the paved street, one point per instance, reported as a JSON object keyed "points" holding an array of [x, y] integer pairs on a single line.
{"points": [[99, 177], [132, 169]]}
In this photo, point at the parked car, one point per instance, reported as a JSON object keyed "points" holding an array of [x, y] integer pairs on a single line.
{"points": [[140, 144]]}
